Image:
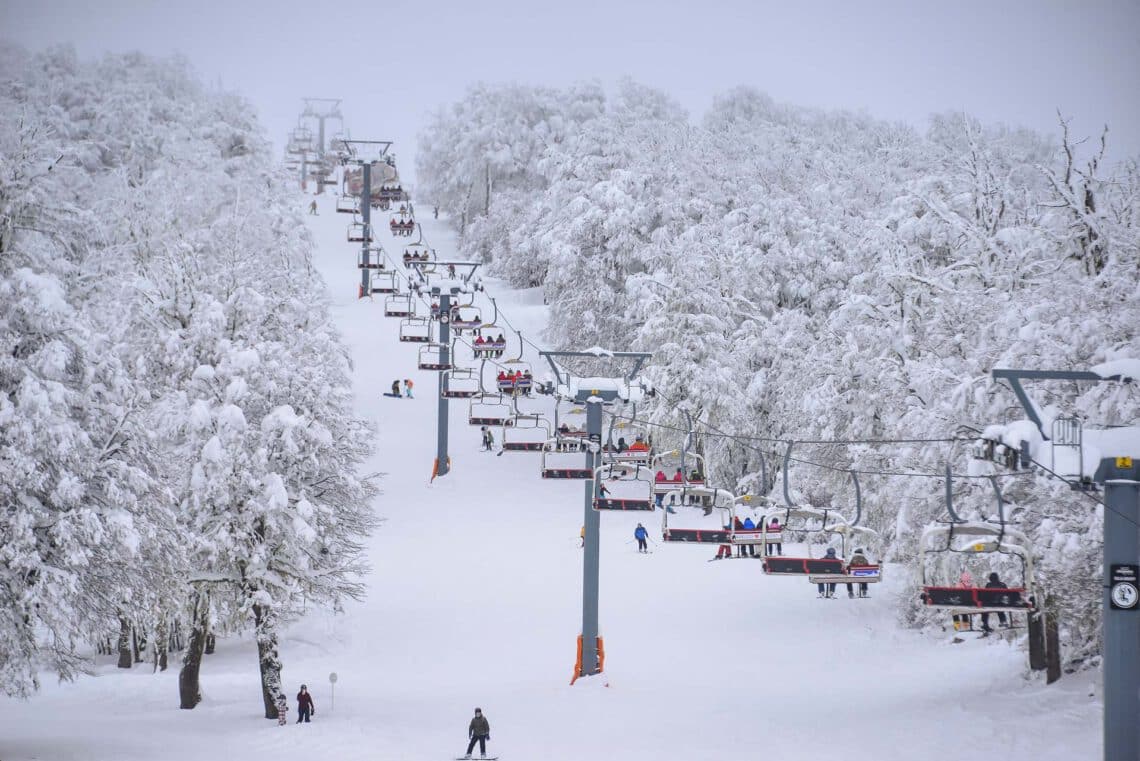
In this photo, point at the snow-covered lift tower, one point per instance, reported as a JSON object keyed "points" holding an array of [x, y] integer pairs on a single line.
{"points": [[593, 393], [364, 153], [444, 290], [1110, 458]]}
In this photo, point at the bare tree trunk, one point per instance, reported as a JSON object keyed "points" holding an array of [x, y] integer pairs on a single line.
{"points": [[125, 660], [189, 690], [210, 643], [268, 662]]}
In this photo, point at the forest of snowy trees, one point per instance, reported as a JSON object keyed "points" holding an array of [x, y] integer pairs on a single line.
{"points": [[178, 455], [806, 275]]}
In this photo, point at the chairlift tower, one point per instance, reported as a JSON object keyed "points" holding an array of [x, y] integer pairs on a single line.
{"points": [[365, 153], [1119, 473], [444, 290], [594, 394]]}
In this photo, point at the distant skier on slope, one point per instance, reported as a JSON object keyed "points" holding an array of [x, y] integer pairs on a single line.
{"points": [[313, 207], [408, 388], [479, 730], [488, 439], [641, 535]]}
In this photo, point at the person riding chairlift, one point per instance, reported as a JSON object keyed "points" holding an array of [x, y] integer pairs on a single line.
{"points": [[678, 477], [639, 445]]}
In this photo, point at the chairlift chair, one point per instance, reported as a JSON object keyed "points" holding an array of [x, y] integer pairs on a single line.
{"points": [[627, 486], [709, 524], [431, 358], [399, 305], [371, 258], [465, 317], [462, 383], [805, 565], [415, 330], [489, 409], [972, 539], [382, 282], [558, 460], [358, 232], [525, 433], [348, 205]]}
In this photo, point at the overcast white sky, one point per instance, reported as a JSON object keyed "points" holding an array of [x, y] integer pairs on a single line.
{"points": [[1012, 61]]}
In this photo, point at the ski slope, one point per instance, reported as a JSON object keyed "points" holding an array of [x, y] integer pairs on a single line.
{"points": [[475, 600]]}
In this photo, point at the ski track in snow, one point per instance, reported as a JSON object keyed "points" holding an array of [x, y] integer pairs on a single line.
{"points": [[475, 600]]}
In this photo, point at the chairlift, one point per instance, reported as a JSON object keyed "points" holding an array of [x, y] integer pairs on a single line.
{"points": [[525, 433], [415, 330], [358, 232], [712, 523], [678, 478], [966, 541], [558, 455], [489, 409], [626, 487], [348, 205], [431, 358], [371, 258], [462, 383], [399, 305], [465, 317], [812, 522], [382, 282]]}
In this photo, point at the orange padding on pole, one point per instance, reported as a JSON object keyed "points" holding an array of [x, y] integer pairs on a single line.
{"points": [[578, 660]]}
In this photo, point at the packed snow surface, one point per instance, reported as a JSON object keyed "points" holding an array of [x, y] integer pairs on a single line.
{"points": [[475, 600]]}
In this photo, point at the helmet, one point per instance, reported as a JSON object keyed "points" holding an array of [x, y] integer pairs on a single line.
{"points": [[858, 551], [478, 710]]}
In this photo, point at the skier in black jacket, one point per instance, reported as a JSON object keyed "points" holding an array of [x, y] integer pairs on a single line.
{"points": [[993, 583]]}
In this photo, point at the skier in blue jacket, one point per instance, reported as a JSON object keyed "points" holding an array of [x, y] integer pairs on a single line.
{"points": [[641, 535], [749, 549]]}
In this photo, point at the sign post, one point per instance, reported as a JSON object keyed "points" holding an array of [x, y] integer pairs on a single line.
{"points": [[332, 691]]}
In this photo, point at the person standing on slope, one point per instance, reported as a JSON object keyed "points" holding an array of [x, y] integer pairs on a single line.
{"points": [[641, 535], [479, 730], [408, 388], [305, 707], [488, 439], [313, 207]]}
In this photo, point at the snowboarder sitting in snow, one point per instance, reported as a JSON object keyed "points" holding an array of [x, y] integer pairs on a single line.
{"points": [[395, 389], [479, 730], [305, 707]]}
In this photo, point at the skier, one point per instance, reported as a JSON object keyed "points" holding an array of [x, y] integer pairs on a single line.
{"points": [[305, 707], [828, 589], [750, 526], [994, 583], [641, 535], [479, 730], [313, 207], [774, 528], [282, 709], [488, 439], [857, 558], [408, 388]]}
